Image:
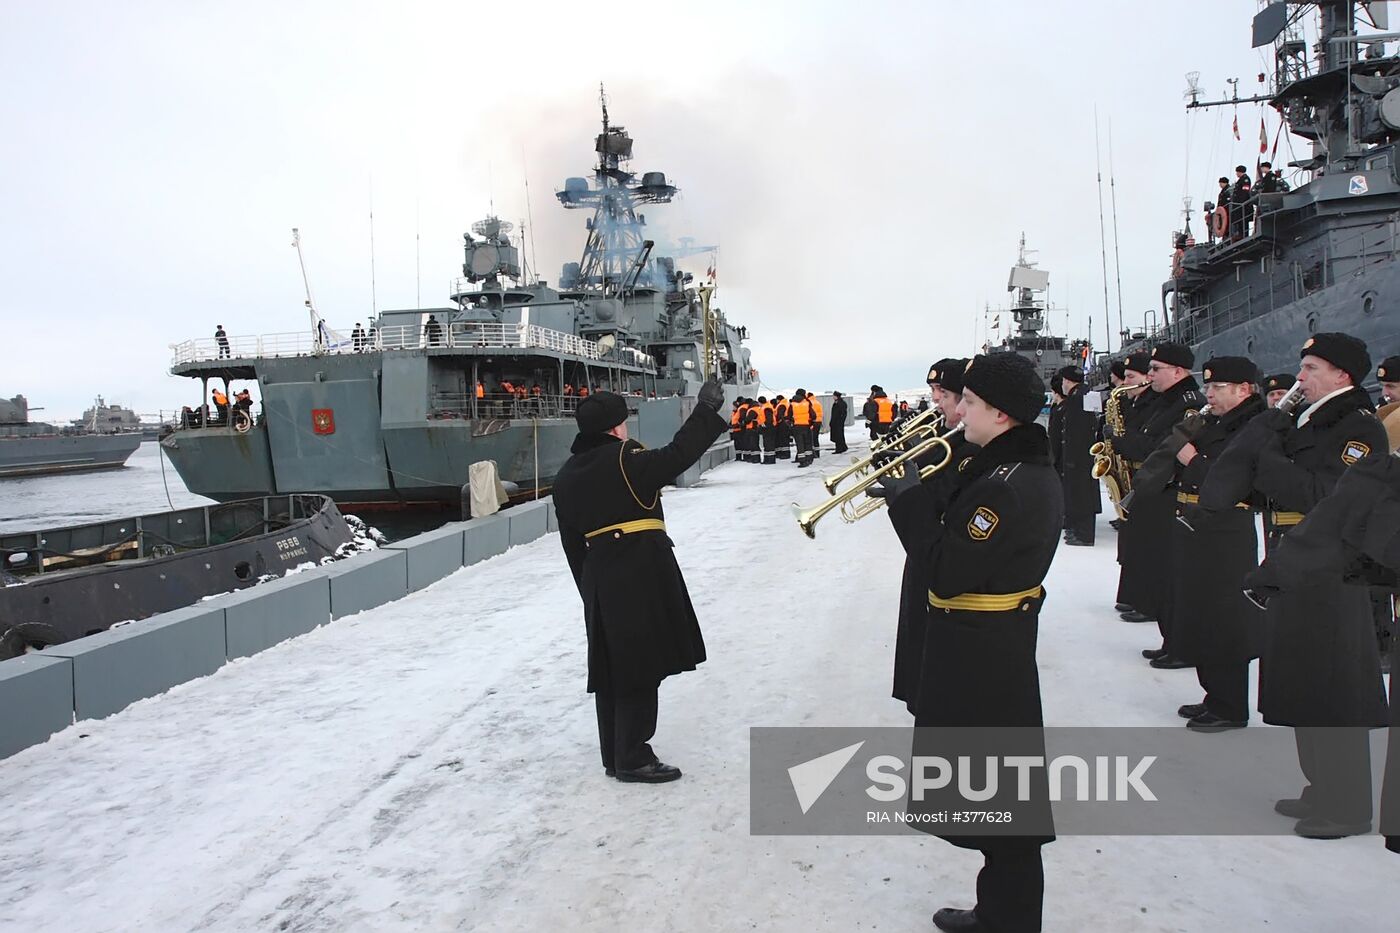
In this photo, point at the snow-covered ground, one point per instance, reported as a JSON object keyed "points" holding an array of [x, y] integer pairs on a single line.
{"points": [[431, 765]]}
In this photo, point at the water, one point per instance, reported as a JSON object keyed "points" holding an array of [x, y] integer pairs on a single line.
{"points": [[34, 502]]}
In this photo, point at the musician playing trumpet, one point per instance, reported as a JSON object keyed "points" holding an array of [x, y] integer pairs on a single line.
{"points": [[1320, 672], [1214, 627], [945, 382], [985, 544]]}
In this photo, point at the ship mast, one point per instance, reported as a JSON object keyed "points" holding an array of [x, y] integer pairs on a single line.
{"points": [[615, 256]]}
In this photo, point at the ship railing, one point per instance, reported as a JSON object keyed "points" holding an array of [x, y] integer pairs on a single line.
{"points": [[501, 405], [458, 335], [1349, 253]]}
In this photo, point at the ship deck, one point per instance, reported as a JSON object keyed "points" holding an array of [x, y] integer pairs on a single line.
{"points": [[237, 356], [431, 764]]}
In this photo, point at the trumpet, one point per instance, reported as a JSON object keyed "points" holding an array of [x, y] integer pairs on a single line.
{"points": [[1291, 399], [852, 512], [924, 424]]}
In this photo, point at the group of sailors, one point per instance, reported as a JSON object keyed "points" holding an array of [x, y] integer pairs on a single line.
{"points": [[1194, 463], [1229, 215], [1196, 469], [765, 431], [237, 411]]}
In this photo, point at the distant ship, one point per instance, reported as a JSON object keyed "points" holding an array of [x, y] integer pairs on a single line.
{"points": [[31, 448], [393, 414], [1029, 311], [102, 418]]}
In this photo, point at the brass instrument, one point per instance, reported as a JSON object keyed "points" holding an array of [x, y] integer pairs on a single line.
{"points": [[851, 513], [924, 424], [1109, 466]]}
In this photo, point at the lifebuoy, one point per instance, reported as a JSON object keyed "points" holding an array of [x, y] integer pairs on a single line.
{"points": [[1220, 221]]}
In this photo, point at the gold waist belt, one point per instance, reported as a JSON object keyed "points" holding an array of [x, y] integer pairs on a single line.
{"points": [[627, 528], [1190, 498], [985, 602], [1286, 518]]}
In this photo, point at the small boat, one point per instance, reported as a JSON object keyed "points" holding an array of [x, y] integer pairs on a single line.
{"points": [[64, 583]]}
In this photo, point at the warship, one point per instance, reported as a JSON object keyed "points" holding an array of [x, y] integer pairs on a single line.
{"points": [[1030, 311], [1318, 257], [34, 448], [394, 414], [102, 418]]}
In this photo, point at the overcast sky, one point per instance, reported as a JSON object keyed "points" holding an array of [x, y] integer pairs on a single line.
{"points": [[866, 169]]}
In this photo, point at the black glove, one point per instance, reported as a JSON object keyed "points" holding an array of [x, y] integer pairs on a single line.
{"points": [[1274, 420], [890, 487], [711, 395]]}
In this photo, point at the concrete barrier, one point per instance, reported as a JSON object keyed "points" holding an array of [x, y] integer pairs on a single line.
{"points": [[99, 675], [115, 668], [485, 537], [272, 612], [366, 581], [528, 522], [432, 555], [37, 694]]}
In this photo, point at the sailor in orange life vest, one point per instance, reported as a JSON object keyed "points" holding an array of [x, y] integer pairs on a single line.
{"points": [[987, 543], [640, 623]]}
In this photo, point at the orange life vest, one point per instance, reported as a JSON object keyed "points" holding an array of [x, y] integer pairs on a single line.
{"points": [[802, 413], [884, 413]]}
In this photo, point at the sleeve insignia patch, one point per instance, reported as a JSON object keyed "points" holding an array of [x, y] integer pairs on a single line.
{"points": [[982, 524], [1354, 451]]}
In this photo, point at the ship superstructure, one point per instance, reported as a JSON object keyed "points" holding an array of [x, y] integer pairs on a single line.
{"points": [[396, 412], [1319, 253]]}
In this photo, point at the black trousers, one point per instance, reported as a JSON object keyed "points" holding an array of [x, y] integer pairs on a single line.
{"points": [[767, 436], [838, 437], [1081, 526], [626, 724], [1227, 689], [1011, 889], [816, 440], [1336, 761], [803, 435]]}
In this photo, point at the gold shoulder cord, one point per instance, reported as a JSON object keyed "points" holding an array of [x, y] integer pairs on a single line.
{"points": [[621, 449]]}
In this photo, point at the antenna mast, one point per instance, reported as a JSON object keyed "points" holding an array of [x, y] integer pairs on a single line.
{"points": [[1103, 243], [373, 298], [1117, 263], [306, 282]]}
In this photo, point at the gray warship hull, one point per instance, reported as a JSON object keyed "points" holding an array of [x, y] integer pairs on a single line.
{"points": [[395, 415], [58, 453]]}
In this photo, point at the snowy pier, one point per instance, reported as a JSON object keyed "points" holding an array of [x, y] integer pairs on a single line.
{"points": [[432, 765]]}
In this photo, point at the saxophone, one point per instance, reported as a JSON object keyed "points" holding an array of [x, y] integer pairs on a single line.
{"points": [[1109, 466]]}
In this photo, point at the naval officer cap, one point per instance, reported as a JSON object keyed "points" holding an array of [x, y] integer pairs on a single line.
{"points": [[1007, 382], [1389, 370], [1230, 369], [1174, 354], [600, 413], [1138, 363], [947, 374], [1278, 381], [1072, 373], [1343, 351]]}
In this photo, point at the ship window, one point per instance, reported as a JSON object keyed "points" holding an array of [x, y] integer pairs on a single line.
{"points": [[1380, 161], [1312, 323], [242, 570], [1368, 304]]}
